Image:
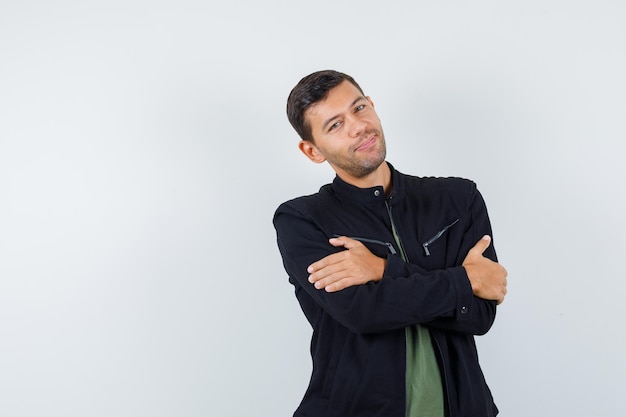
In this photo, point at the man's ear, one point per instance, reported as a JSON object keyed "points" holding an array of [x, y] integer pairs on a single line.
{"points": [[311, 151]]}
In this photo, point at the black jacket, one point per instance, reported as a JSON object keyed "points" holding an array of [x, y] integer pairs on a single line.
{"points": [[358, 343]]}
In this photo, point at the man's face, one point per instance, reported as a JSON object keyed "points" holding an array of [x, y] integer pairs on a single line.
{"points": [[347, 132]]}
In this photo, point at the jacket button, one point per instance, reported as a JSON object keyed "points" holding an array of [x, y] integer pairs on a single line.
{"points": [[463, 310], [376, 193]]}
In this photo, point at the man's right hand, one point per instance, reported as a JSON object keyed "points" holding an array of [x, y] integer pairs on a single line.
{"points": [[488, 278]]}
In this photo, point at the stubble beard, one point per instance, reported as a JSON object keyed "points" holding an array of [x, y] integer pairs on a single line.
{"points": [[359, 166]]}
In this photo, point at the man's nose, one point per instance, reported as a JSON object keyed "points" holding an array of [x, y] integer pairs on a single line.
{"points": [[356, 127]]}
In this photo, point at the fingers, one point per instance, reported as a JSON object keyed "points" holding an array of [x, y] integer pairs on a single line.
{"points": [[334, 258], [335, 274], [501, 289], [501, 299], [336, 282], [325, 276], [354, 266], [503, 285], [324, 262], [342, 284]]}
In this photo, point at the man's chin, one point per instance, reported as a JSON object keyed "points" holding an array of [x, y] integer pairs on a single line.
{"points": [[366, 169]]}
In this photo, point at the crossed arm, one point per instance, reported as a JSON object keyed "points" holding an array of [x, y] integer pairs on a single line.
{"points": [[367, 293], [357, 265]]}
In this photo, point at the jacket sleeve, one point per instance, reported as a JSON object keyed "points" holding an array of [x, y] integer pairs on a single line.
{"points": [[405, 296], [473, 315]]}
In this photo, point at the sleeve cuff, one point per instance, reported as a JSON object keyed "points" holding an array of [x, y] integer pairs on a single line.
{"points": [[464, 294]]}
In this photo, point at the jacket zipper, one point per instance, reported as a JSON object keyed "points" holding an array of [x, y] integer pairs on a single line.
{"points": [[392, 250], [437, 236]]}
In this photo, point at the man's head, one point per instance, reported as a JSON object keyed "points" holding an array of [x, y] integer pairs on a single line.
{"points": [[338, 124], [310, 90]]}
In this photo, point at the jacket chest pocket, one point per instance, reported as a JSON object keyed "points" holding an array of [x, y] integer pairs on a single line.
{"points": [[434, 244]]}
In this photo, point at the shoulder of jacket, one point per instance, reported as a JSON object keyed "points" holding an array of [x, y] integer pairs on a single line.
{"points": [[307, 203], [453, 185]]}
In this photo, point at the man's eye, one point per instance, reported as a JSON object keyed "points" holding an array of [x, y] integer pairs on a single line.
{"points": [[359, 107], [334, 126]]}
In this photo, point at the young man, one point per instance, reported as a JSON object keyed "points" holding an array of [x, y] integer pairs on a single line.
{"points": [[395, 273]]}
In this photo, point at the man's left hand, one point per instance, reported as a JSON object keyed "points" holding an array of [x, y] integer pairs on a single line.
{"points": [[354, 266]]}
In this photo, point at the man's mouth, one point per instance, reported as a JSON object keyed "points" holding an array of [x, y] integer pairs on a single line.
{"points": [[366, 143]]}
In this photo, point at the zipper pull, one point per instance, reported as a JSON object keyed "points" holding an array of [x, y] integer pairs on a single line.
{"points": [[437, 236]]}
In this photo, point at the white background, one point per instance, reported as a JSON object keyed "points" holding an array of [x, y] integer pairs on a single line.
{"points": [[144, 148]]}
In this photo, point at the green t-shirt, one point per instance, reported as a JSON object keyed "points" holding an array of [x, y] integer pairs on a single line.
{"points": [[424, 389]]}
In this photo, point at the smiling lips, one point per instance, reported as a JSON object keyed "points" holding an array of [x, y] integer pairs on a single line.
{"points": [[366, 144]]}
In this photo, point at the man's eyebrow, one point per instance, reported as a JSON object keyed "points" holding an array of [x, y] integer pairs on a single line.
{"points": [[336, 116]]}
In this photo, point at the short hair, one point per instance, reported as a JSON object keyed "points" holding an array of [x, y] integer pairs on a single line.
{"points": [[312, 89]]}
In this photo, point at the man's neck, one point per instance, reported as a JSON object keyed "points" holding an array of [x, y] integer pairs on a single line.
{"points": [[381, 176]]}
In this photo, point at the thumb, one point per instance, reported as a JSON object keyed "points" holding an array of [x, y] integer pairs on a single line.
{"points": [[344, 241], [481, 245]]}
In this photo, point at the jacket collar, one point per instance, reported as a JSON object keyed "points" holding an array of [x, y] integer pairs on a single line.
{"points": [[376, 194]]}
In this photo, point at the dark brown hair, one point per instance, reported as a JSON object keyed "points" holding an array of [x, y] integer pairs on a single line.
{"points": [[310, 90]]}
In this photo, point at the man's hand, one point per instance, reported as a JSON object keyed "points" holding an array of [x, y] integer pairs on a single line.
{"points": [[341, 270], [488, 278]]}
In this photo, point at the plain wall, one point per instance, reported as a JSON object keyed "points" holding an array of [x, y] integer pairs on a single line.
{"points": [[144, 148]]}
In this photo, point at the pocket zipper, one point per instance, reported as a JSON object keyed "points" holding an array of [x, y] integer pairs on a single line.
{"points": [[437, 236], [392, 250]]}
